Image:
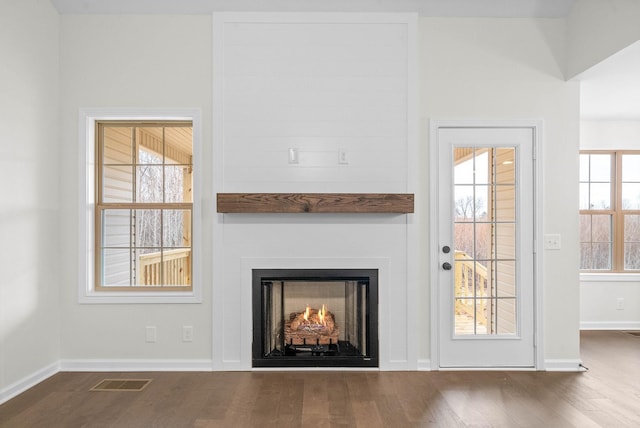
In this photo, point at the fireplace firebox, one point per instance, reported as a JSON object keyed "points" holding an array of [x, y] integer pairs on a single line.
{"points": [[315, 317]]}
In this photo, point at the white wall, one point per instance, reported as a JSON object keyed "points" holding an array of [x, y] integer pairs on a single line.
{"points": [[470, 68], [140, 62], [598, 29], [599, 293], [508, 69], [29, 189]]}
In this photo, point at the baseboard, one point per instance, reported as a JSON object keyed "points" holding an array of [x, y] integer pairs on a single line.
{"points": [[424, 365], [30, 381], [563, 366], [136, 365], [610, 325]]}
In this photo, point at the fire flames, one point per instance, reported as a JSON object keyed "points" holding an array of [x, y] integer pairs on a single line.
{"points": [[312, 326], [313, 317]]}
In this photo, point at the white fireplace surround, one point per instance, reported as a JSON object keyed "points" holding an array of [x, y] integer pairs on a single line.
{"points": [[340, 90], [380, 264]]}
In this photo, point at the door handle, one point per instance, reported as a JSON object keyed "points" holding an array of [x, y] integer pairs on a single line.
{"points": [[446, 266]]}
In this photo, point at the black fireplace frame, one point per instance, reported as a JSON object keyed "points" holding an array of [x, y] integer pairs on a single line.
{"points": [[371, 359]]}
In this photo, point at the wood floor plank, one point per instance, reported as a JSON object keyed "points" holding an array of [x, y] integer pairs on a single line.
{"points": [[605, 396]]}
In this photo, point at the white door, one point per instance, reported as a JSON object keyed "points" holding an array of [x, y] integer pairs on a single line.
{"points": [[486, 247]]}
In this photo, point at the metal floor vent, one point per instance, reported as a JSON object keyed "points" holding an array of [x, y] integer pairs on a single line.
{"points": [[133, 385]]}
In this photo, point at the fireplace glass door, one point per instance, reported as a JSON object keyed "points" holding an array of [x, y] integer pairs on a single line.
{"points": [[315, 318]]}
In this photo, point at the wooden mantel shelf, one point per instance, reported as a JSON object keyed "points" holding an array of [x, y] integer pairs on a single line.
{"points": [[390, 203]]}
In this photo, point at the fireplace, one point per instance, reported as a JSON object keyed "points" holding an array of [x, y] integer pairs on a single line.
{"points": [[315, 317]]}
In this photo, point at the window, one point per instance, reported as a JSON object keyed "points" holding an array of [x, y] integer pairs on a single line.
{"points": [[140, 208], [610, 211]]}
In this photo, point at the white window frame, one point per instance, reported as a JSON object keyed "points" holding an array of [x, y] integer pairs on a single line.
{"points": [[86, 263]]}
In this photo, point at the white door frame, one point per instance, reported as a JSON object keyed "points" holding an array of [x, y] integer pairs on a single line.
{"points": [[434, 256]]}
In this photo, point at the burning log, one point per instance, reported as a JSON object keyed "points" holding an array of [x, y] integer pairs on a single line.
{"points": [[311, 327]]}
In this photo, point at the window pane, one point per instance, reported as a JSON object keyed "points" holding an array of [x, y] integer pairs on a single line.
{"points": [[586, 256], [179, 144], [177, 184], [174, 226], [147, 157], [600, 168], [116, 228], [601, 228], [148, 229], [632, 256], [116, 268], [585, 228], [151, 144], [149, 267], [176, 267], [118, 145], [149, 183], [631, 168], [600, 196], [584, 196], [632, 228], [601, 256], [117, 184], [584, 167], [631, 196]]}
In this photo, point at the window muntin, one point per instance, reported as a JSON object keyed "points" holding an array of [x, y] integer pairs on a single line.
{"points": [[610, 211], [144, 206]]}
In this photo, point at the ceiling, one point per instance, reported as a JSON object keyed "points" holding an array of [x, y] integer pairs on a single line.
{"points": [[449, 8], [609, 90]]}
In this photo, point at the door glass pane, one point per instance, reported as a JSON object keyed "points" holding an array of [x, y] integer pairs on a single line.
{"points": [[506, 316], [485, 240], [504, 278], [505, 203]]}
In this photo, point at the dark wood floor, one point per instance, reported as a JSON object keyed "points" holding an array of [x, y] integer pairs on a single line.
{"points": [[608, 395]]}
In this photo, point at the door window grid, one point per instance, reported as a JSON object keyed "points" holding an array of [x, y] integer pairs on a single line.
{"points": [[484, 227]]}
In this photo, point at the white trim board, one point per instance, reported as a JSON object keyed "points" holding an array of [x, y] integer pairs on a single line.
{"points": [[609, 325]]}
